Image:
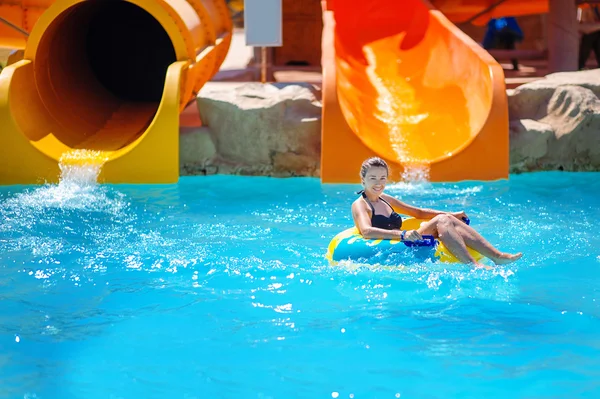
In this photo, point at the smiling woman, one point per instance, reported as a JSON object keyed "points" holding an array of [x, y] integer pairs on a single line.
{"points": [[376, 215]]}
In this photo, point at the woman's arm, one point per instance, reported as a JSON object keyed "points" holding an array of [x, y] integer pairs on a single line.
{"points": [[588, 27], [418, 213], [362, 220]]}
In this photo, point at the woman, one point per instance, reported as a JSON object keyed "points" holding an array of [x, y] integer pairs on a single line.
{"points": [[375, 217], [503, 33], [589, 27]]}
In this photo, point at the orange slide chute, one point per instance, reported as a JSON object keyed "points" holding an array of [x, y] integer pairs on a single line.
{"points": [[400, 81]]}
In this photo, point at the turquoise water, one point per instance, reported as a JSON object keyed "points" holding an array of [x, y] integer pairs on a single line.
{"points": [[217, 287]]}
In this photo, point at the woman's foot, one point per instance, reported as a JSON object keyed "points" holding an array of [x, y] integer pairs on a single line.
{"points": [[482, 266], [506, 258]]}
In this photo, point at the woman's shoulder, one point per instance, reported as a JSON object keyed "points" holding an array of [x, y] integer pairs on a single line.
{"points": [[359, 203]]}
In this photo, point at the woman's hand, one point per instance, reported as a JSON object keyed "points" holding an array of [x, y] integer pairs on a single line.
{"points": [[412, 235], [460, 215]]}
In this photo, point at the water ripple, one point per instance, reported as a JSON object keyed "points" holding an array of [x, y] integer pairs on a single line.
{"points": [[208, 288]]}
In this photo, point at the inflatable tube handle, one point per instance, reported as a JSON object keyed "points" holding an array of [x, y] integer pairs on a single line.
{"points": [[427, 241], [467, 221]]}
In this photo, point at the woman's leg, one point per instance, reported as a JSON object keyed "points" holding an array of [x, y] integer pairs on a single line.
{"points": [[507, 41], [474, 240], [511, 45], [455, 234], [442, 226], [585, 48], [597, 47]]}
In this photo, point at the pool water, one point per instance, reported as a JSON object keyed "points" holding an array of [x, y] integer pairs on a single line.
{"points": [[217, 287]]}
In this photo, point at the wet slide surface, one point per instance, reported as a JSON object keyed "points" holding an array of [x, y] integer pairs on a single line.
{"points": [[412, 88], [407, 87]]}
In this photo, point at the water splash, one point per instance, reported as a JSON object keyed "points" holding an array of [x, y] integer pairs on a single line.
{"points": [[77, 189], [81, 167], [415, 173], [424, 189]]}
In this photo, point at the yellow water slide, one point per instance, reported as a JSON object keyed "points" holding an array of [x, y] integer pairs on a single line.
{"points": [[103, 81]]}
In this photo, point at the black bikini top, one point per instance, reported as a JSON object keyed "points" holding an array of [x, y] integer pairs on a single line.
{"points": [[392, 222]]}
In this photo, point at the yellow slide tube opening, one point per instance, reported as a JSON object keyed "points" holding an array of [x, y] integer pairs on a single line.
{"points": [[108, 77]]}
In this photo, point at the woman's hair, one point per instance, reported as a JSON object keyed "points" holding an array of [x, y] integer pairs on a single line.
{"points": [[372, 162]]}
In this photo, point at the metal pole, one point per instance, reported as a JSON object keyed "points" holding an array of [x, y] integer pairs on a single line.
{"points": [[563, 39], [263, 65], [15, 27], [489, 9]]}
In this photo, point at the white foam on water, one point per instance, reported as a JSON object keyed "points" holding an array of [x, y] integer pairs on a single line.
{"points": [[77, 189], [81, 167], [415, 173], [427, 188]]}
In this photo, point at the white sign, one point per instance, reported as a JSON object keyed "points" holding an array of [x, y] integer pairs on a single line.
{"points": [[262, 23]]}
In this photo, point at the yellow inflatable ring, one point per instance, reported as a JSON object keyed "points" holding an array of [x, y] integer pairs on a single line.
{"points": [[351, 245]]}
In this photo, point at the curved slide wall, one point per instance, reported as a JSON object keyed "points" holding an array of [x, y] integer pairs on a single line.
{"points": [[459, 11], [104, 81], [403, 83]]}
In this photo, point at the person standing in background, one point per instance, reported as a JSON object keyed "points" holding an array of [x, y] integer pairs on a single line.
{"points": [[589, 27], [503, 34]]}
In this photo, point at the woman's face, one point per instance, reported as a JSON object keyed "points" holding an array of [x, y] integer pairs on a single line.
{"points": [[375, 180]]}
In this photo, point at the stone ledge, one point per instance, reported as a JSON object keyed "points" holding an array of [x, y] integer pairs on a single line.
{"points": [[275, 129], [555, 123], [256, 129]]}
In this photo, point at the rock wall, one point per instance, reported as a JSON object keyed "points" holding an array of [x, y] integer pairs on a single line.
{"points": [[255, 129], [555, 123], [275, 129]]}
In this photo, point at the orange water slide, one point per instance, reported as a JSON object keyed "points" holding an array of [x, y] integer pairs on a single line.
{"points": [[400, 81]]}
